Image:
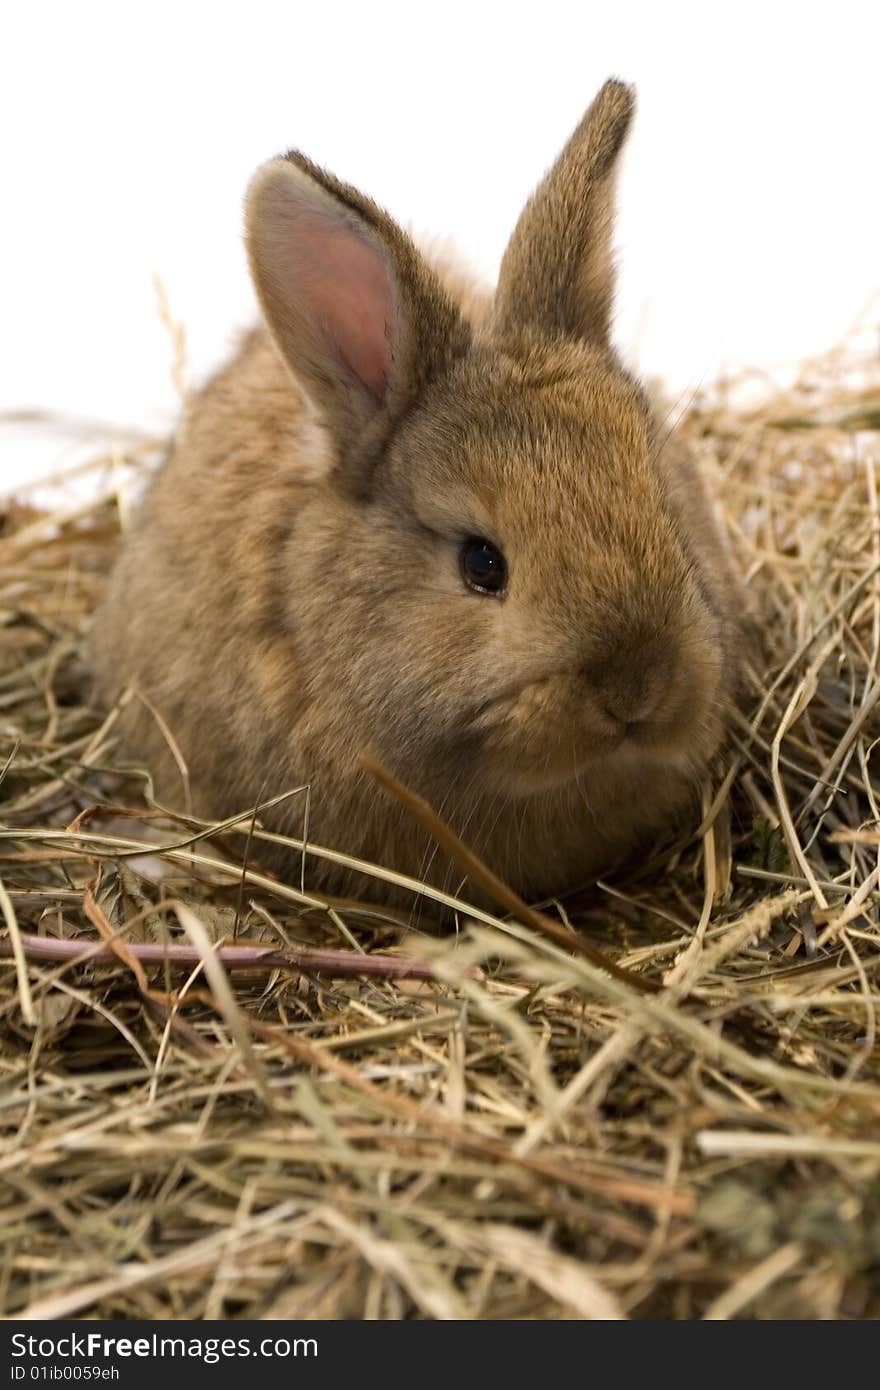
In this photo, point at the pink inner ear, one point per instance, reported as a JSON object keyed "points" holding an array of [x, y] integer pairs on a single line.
{"points": [[348, 288]]}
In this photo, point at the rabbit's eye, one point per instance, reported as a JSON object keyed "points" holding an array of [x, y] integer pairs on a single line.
{"points": [[483, 567]]}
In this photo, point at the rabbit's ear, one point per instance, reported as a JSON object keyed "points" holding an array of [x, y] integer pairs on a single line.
{"points": [[360, 318], [556, 275]]}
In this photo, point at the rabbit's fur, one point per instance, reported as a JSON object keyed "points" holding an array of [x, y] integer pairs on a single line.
{"points": [[291, 591]]}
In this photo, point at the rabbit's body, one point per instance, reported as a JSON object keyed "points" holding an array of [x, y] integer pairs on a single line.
{"points": [[298, 586]]}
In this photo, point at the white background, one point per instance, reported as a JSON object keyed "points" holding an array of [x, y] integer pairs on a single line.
{"points": [[749, 201]]}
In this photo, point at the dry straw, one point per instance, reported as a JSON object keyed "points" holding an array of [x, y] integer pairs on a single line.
{"points": [[308, 1109]]}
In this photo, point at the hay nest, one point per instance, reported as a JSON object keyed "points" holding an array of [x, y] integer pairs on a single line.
{"points": [[508, 1131]]}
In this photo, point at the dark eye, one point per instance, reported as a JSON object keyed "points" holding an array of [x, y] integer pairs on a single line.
{"points": [[483, 567]]}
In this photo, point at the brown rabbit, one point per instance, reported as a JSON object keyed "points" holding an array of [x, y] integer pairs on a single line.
{"points": [[440, 526]]}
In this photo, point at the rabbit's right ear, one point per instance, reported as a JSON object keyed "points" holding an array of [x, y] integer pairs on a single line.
{"points": [[359, 317]]}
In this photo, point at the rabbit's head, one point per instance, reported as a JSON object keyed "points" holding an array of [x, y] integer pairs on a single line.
{"points": [[503, 579]]}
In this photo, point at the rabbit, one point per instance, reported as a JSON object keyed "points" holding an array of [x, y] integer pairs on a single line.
{"points": [[438, 525]]}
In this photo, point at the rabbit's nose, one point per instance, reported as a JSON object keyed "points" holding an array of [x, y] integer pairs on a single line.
{"points": [[630, 690], [630, 707]]}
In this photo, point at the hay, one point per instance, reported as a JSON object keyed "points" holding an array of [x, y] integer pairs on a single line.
{"points": [[517, 1133]]}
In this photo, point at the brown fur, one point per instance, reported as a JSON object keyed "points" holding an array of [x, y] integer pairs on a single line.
{"points": [[291, 593]]}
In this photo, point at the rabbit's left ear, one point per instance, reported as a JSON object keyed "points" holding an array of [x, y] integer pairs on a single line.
{"points": [[360, 318], [556, 275]]}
